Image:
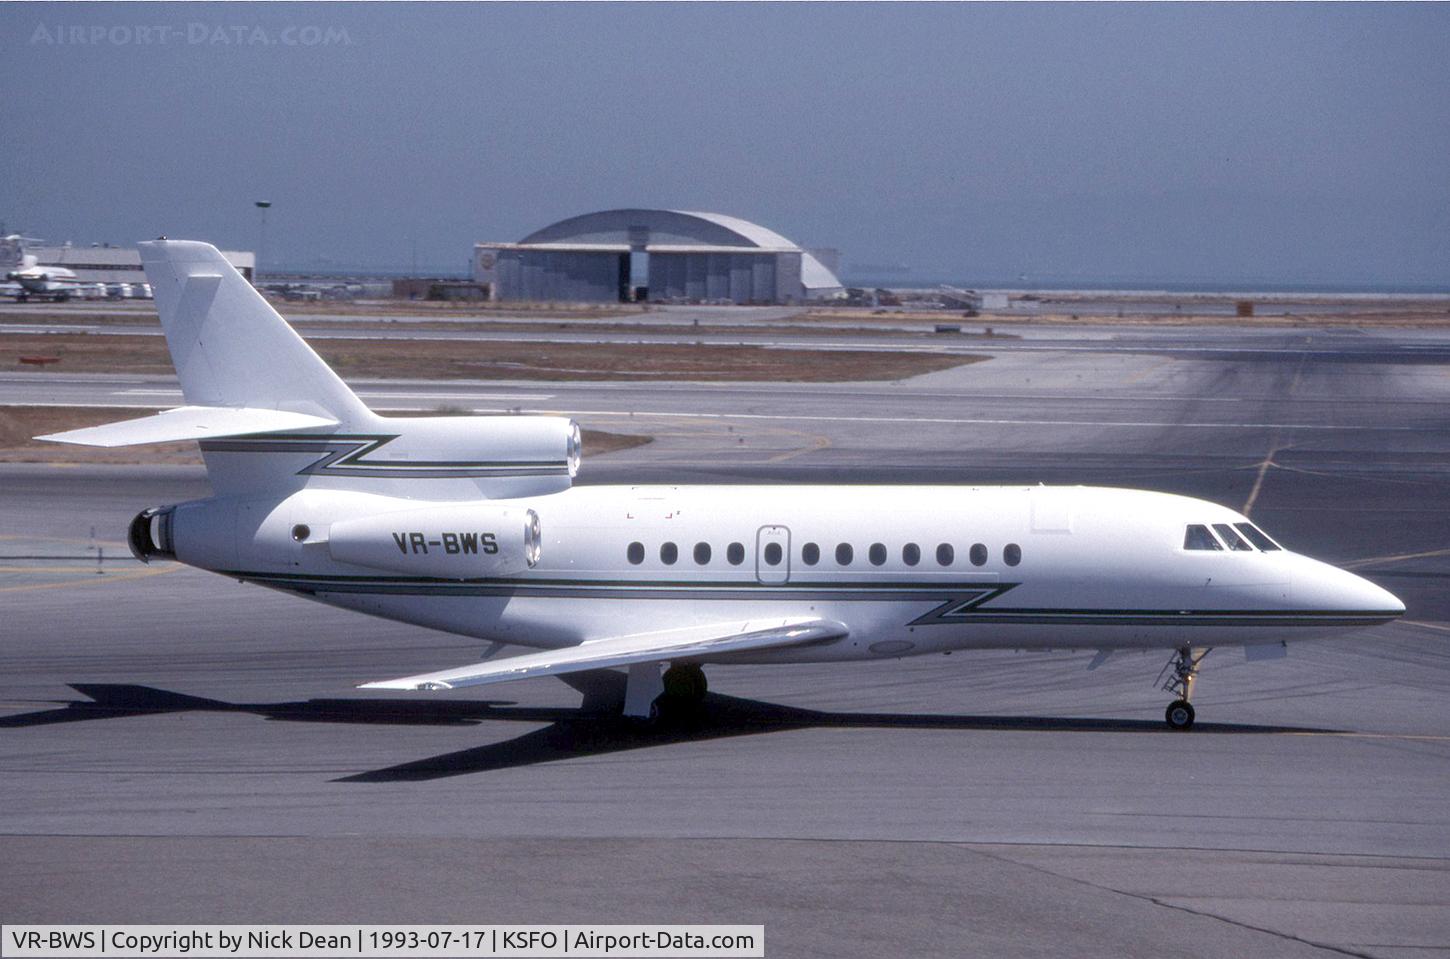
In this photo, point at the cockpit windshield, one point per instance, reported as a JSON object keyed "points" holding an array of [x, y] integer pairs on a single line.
{"points": [[1198, 537], [1237, 537], [1258, 537], [1234, 540]]}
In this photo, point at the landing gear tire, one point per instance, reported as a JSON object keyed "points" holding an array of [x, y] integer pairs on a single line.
{"points": [[685, 683], [647, 722], [1179, 715]]}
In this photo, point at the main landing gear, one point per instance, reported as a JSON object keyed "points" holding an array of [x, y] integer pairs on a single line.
{"points": [[650, 697], [1181, 670], [685, 683]]}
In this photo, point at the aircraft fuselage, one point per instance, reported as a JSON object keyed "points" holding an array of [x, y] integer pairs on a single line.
{"points": [[909, 569]]}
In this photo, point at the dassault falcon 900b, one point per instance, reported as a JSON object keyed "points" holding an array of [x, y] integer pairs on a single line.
{"points": [[472, 525]]}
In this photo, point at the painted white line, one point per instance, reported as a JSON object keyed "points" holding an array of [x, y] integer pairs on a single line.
{"points": [[536, 397], [949, 421]]}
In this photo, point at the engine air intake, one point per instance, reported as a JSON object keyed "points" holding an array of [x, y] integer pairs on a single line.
{"points": [[150, 534]]}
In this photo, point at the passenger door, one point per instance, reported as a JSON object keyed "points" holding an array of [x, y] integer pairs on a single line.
{"points": [[772, 554]]}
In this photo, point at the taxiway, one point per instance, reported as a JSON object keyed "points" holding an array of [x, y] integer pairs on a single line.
{"points": [[173, 745]]}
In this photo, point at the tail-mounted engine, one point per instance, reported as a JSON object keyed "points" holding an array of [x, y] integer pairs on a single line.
{"points": [[150, 534]]}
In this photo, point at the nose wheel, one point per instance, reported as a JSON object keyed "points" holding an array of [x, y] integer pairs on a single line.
{"points": [[1177, 677], [1179, 714]]}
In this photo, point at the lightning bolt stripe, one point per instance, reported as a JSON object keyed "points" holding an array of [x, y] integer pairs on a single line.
{"points": [[347, 455]]}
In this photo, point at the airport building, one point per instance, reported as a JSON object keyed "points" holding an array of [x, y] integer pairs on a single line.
{"points": [[658, 255], [116, 264]]}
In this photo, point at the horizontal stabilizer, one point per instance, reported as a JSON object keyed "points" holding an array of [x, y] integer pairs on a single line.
{"points": [[689, 643], [189, 423]]}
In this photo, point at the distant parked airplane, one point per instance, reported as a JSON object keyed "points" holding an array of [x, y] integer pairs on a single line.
{"points": [[45, 282]]}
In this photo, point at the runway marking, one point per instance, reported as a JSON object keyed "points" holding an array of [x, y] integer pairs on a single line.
{"points": [[1143, 373], [1437, 627], [1377, 560], [1274, 447], [89, 541], [415, 395], [1268, 461], [458, 396], [818, 442], [962, 421], [1408, 737], [90, 566], [94, 580]]}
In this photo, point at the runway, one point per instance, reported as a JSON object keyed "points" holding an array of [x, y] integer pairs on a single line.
{"points": [[175, 746], [903, 333]]}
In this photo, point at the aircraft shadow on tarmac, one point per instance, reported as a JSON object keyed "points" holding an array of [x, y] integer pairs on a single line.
{"points": [[594, 728]]}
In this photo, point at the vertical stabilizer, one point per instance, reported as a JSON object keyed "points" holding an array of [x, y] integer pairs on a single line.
{"points": [[230, 348]]}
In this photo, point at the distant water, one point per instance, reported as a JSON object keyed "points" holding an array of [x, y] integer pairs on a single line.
{"points": [[1145, 284]]}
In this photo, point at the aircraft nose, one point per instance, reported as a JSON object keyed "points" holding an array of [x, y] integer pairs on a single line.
{"points": [[1377, 597], [1331, 588]]}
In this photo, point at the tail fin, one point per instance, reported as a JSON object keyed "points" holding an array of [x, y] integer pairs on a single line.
{"points": [[272, 416], [230, 348]]}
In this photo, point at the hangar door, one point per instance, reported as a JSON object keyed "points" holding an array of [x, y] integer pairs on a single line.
{"points": [[569, 275]]}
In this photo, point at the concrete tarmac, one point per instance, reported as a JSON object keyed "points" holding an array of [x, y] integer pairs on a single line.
{"points": [[176, 747]]}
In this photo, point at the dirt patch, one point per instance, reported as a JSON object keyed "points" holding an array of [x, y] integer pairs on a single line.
{"points": [[19, 423], [505, 360], [898, 327]]}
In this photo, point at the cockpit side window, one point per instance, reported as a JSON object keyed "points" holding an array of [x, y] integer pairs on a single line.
{"points": [[1258, 537], [1234, 540], [1198, 537]]}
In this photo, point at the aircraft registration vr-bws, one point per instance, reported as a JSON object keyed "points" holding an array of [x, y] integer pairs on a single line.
{"points": [[472, 525]]}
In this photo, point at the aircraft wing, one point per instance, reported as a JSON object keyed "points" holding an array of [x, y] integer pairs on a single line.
{"points": [[692, 642]]}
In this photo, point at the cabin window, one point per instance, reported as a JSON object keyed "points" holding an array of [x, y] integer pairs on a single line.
{"points": [[1257, 537], [945, 554], [911, 554], [735, 554], [978, 554], [1234, 540], [772, 554], [1198, 537], [844, 554], [669, 553], [1012, 554], [635, 553], [810, 554], [877, 554], [702, 553]]}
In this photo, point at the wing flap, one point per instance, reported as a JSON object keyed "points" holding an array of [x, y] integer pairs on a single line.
{"points": [[686, 643], [189, 423]]}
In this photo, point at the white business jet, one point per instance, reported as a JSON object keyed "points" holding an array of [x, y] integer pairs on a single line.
{"points": [[33, 280], [472, 525]]}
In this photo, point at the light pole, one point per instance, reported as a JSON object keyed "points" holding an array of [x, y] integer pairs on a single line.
{"points": [[261, 205]]}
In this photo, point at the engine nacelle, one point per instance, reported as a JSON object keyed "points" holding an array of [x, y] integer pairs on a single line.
{"points": [[149, 534], [451, 542]]}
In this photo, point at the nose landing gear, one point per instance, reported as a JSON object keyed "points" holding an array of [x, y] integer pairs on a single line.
{"points": [[1180, 671]]}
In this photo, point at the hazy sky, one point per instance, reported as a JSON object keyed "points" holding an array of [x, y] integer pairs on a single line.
{"points": [[1290, 143]]}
